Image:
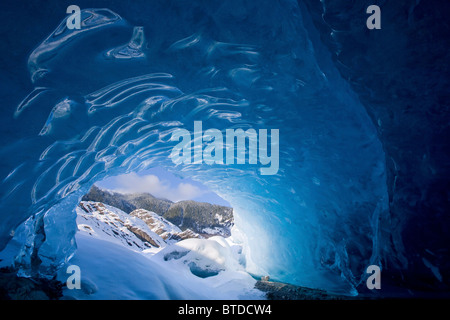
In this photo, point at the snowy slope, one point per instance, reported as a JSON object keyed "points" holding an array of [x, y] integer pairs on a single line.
{"points": [[110, 270], [164, 228], [111, 224], [138, 256]]}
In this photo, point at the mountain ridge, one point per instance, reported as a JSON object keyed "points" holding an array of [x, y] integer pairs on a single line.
{"points": [[201, 217]]}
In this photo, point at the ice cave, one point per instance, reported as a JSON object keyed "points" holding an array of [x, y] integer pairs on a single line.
{"points": [[362, 117]]}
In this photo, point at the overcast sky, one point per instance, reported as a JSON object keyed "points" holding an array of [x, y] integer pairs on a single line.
{"points": [[161, 184]]}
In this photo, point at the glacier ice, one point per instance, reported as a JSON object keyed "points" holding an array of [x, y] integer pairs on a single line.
{"points": [[400, 74], [316, 223]]}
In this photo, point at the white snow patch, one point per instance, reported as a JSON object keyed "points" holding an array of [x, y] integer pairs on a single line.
{"points": [[115, 264], [110, 270]]}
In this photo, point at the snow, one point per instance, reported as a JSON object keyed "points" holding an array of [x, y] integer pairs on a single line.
{"points": [[164, 228], [216, 269], [112, 271], [109, 270], [215, 230], [205, 256], [189, 269], [111, 224]]}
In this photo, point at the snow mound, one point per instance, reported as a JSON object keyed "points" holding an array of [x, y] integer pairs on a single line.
{"points": [[124, 252], [204, 258], [110, 270]]}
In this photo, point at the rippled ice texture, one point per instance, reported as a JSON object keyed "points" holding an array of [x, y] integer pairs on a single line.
{"points": [[107, 98]]}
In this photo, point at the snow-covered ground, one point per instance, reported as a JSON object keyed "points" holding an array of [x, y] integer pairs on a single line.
{"points": [[117, 262]]}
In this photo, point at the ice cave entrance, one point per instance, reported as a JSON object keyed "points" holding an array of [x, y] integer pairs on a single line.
{"points": [[155, 222]]}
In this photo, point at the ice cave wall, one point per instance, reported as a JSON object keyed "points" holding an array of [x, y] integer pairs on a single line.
{"points": [[400, 74]]}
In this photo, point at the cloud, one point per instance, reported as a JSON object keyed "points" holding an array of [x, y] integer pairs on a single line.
{"points": [[189, 191], [134, 183]]}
